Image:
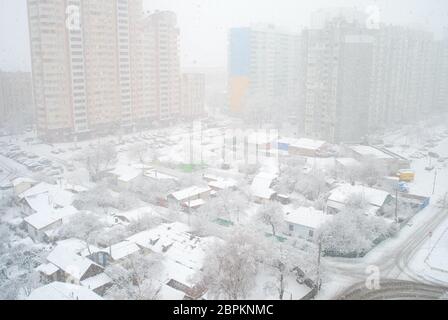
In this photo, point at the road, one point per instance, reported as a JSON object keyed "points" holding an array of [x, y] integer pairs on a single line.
{"points": [[394, 290], [393, 262]]}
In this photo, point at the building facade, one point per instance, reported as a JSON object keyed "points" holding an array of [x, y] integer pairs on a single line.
{"points": [[264, 71], [101, 66], [338, 73], [16, 99], [193, 95]]}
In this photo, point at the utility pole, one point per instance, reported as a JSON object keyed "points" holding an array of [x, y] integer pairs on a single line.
{"points": [[318, 264], [434, 184], [396, 204]]}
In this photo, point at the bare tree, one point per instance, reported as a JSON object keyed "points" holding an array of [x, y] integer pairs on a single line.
{"points": [[100, 159], [271, 214]]}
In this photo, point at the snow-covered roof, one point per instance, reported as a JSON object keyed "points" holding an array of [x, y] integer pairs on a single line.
{"points": [[97, 281], [44, 219], [70, 262], [368, 151], [348, 162], [39, 188], [15, 182], [222, 184], [304, 143], [154, 174], [168, 293], [261, 185], [63, 291], [47, 269], [342, 194], [308, 217], [138, 214], [122, 249], [126, 173], [194, 203], [174, 241], [47, 193], [41, 220], [190, 192]]}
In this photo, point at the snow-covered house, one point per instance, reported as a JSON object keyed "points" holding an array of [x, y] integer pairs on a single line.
{"points": [[303, 222], [380, 156], [63, 291], [303, 147], [124, 176], [47, 219], [72, 267], [222, 184], [374, 199], [137, 215], [44, 195], [189, 195], [183, 255], [22, 184], [261, 186], [119, 251], [154, 174]]}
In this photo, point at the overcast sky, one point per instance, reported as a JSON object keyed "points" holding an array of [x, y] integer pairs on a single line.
{"points": [[204, 23]]}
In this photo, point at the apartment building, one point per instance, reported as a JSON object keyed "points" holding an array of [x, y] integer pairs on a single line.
{"points": [[361, 80], [162, 76], [16, 100], [101, 66], [264, 71], [193, 95], [338, 73]]}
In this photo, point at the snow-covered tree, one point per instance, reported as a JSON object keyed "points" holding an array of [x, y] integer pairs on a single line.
{"points": [[353, 233], [135, 278], [286, 262], [231, 267], [99, 159], [85, 226], [271, 214]]}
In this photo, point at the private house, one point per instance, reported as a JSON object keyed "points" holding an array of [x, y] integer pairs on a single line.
{"points": [[63, 291], [137, 215], [72, 267], [191, 196], [183, 256], [304, 147], [44, 196], [154, 174], [303, 222], [223, 184], [380, 156], [261, 187], [41, 223], [22, 184], [124, 176], [374, 200]]}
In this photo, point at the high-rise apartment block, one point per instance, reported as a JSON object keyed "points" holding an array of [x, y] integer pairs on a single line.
{"points": [[90, 61], [264, 66], [338, 72], [16, 100], [193, 95]]}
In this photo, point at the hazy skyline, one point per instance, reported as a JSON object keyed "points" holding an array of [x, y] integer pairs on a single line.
{"points": [[204, 23]]}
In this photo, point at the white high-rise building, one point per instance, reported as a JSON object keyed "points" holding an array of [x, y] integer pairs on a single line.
{"points": [[193, 95], [264, 71]]}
